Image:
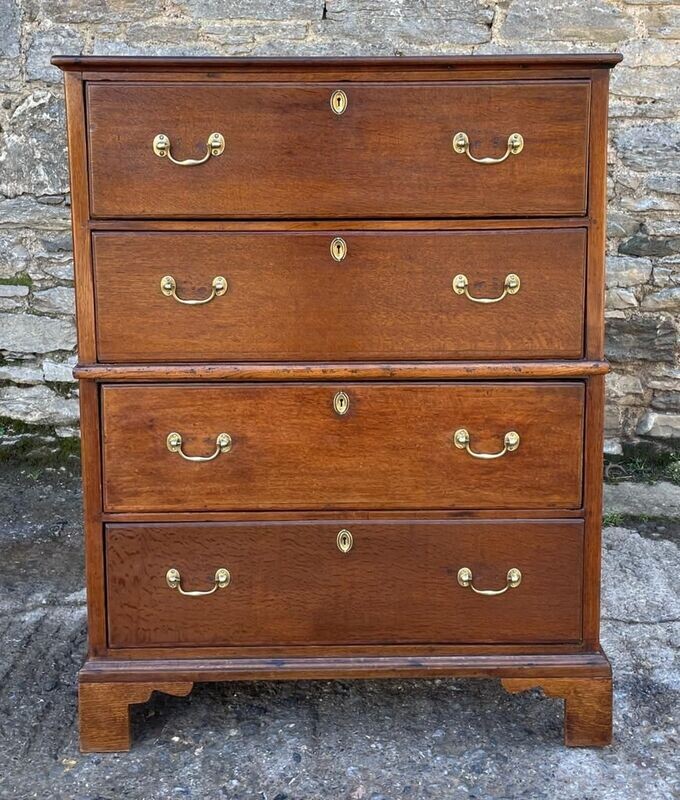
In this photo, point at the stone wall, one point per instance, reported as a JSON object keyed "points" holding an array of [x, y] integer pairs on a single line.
{"points": [[37, 335]]}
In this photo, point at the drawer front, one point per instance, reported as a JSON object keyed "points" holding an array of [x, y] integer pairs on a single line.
{"points": [[397, 584], [287, 154], [391, 296], [325, 446]]}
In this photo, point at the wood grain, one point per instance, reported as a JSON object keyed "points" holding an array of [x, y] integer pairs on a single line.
{"points": [[392, 450], [391, 297], [91, 460], [290, 584], [340, 371], [587, 706], [104, 711], [316, 64], [74, 89], [294, 328], [288, 155], [336, 667]]}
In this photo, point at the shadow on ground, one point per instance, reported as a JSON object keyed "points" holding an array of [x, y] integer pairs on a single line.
{"points": [[364, 740]]}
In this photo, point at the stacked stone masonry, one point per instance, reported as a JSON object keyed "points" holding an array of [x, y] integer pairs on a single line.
{"points": [[37, 332]]}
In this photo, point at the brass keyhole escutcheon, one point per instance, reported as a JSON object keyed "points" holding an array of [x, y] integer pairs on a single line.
{"points": [[339, 102], [344, 540], [341, 403], [339, 249]]}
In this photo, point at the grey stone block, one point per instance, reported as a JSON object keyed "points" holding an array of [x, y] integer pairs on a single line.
{"points": [[28, 333], [37, 404], [567, 20], [642, 337]]}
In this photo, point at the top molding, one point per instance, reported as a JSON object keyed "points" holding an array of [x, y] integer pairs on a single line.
{"points": [[212, 63]]}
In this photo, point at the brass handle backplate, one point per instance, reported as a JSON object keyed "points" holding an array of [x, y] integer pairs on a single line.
{"points": [[174, 581], [461, 438], [461, 144], [222, 445], [512, 581], [169, 289], [214, 145], [510, 286]]}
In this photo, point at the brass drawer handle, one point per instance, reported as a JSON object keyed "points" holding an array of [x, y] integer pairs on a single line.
{"points": [[174, 581], [461, 144], [169, 289], [513, 580], [174, 445], [510, 286], [215, 147], [461, 438]]}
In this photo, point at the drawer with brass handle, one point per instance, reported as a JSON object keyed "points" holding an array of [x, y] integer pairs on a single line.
{"points": [[493, 148], [496, 294], [291, 583], [361, 445], [341, 363]]}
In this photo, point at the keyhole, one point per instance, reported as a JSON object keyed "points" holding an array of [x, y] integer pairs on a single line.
{"points": [[341, 403], [339, 102], [344, 541], [338, 248]]}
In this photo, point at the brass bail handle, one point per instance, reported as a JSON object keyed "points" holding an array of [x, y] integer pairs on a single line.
{"points": [[511, 286], [169, 289], [214, 147], [461, 438], [461, 144], [512, 581], [174, 581], [222, 445]]}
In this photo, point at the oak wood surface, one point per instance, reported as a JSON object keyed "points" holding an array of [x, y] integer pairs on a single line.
{"points": [[288, 155], [291, 584], [587, 706], [522, 652], [288, 299], [382, 173], [78, 172], [104, 711], [592, 497], [369, 665], [340, 371], [317, 64], [393, 449], [91, 461], [332, 225]]}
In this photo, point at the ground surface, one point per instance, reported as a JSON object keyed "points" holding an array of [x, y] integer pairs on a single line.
{"points": [[361, 740]]}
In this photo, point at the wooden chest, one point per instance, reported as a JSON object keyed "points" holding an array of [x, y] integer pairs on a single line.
{"points": [[341, 371]]}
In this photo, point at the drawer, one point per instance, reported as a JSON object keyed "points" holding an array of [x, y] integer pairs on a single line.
{"points": [[388, 445], [287, 154], [397, 584], [391, 296]]}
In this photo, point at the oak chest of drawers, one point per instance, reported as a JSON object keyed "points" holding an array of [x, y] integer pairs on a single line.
{"points": [[341, 371]]}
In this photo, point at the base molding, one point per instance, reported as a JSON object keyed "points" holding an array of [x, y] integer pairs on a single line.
{"points": [[107, 688], [107, 670]]}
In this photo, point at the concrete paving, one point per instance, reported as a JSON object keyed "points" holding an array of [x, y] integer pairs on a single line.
{"points": [[364, 740]]}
